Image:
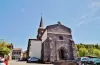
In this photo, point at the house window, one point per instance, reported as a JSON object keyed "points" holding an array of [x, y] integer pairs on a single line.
{"points": [[61, 37]]}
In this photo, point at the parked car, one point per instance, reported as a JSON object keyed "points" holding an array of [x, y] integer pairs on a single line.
{"points": [[82, 60], [88, 60], [33, 59], [94, 60]]}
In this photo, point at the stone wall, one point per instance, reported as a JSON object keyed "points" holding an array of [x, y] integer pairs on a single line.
{"points": [[58, 44]]}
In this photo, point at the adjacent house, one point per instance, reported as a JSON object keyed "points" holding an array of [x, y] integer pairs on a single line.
{"points": [[16, 53]]}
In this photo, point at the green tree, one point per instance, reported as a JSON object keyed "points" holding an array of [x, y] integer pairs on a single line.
{"points": [[96, 52], [83, 52], [90, 51], [4, 50]]}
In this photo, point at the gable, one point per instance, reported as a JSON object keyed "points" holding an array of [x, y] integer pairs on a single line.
{"points": [[58, 28]]}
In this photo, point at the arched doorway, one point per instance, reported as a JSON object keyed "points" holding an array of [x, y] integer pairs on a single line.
{"points": [[62, 54]]}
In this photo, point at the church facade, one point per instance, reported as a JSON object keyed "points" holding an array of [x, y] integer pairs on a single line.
{"points": [[56, 43]]}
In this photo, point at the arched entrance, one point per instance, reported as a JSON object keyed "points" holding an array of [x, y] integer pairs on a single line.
{"points": [[62, 54]]}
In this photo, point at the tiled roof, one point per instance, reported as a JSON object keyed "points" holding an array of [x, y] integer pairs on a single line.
{"points": [[17, 49]]}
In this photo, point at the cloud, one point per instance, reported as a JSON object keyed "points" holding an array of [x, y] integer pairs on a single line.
{"points": [[94, 7], [86, 17], [82, 20]]}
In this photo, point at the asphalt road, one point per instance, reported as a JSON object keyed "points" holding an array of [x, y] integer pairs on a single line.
{"points": [[24, 63]]}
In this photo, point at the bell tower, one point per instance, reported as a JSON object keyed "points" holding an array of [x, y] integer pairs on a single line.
{"points": [[40, 29]]}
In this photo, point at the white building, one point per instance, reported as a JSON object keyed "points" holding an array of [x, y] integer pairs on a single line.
{"points": [[16, 53], [35, 48]]}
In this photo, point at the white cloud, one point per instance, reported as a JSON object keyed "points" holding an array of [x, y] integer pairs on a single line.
{"points": [[94, 7], [82, 20], [86, 18]]}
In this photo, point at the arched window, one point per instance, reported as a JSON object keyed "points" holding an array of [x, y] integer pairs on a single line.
{"points": [[61, 37]]}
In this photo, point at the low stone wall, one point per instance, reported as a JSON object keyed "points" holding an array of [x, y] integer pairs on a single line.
{"points": [[65, 62]]}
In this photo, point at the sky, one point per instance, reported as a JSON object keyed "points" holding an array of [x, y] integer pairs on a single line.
{"points": [[19, 19]]}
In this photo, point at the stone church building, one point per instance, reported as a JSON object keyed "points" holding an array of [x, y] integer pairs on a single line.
{"points": [[53, 43]]}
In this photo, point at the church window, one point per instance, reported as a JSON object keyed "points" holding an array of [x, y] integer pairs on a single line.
{"points": [[61, 37]]}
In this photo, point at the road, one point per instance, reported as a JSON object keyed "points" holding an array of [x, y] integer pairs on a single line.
{"points": [[24, 63]]}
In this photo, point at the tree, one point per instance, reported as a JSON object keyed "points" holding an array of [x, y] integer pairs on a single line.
{"points": [[96, 52], [97, 46], [4, 50], [90, 51], [83, 52]]}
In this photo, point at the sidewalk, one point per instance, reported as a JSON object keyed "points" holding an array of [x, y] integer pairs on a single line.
{"points": [[9, 62]]}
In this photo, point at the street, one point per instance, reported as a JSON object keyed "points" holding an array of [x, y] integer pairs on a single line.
{"points": [[13, 62]]}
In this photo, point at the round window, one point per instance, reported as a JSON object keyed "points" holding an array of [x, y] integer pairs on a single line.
{"points": [[61, 37]]}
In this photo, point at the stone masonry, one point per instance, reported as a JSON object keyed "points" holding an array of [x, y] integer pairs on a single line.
{"points": [[59, 44]]}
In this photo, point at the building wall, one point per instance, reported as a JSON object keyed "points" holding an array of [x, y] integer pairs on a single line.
{"points": [[46, 50], [52, 46], [16, 54], [44, 36], [54, 33], [35, 48], [25, 54]]}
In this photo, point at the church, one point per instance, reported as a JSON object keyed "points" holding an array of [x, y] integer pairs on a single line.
{"points": [[53, 43]]}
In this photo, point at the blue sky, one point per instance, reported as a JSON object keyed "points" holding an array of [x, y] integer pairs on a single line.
{"points": [[19, 19]]}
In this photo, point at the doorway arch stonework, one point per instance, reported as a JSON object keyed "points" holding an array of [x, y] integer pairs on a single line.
{"points": [[62, 53]]}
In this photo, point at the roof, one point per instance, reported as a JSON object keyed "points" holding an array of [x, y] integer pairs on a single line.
{"points": [[34, 39], [17, 49], [59, 23]]}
